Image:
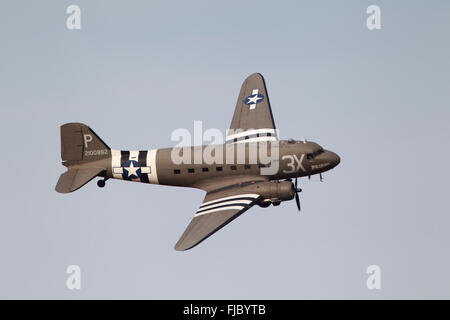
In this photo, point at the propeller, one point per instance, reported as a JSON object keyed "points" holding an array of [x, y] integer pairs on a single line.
{"points": [[297, 198]]}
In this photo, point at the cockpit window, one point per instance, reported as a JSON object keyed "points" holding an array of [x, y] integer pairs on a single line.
{"points": [[311, 156], [320, 151]]}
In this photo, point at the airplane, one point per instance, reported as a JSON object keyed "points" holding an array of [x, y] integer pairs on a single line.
{"points": [[231, 188]]}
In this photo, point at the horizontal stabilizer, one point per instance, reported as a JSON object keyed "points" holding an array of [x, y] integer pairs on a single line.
{"points": [[74, 179]]}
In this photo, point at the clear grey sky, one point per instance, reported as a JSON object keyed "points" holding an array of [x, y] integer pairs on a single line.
{"points": [[137, 70]]}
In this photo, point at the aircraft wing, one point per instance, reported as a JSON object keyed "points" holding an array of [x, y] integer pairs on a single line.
{"points": [[220, 207], [252, 119]]}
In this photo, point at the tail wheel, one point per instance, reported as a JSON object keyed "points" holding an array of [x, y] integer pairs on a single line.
{"points": [[101, 183]]}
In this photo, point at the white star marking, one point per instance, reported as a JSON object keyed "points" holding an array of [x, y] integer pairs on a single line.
{"points": [[254, 99], [132, 170]]}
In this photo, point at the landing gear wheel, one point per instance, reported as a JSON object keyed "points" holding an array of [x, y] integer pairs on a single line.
{"points": [[264, 204], [101, 183]]}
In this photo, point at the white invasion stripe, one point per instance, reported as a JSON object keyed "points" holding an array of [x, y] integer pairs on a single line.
{"points": [[227, 202], [151, 164], [257, 139], [248, 195], [134, 155], [219, 209], [115, 163], [250, 132]]}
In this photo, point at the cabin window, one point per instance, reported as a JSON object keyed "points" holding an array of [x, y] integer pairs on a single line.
{"points": [[176, 171], [261, 165], [191, 170], [233, 168], [247, 166], [205, 169], [219, 168]]}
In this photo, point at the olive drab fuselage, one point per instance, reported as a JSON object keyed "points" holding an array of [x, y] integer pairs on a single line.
{"points": [[283, 160]]}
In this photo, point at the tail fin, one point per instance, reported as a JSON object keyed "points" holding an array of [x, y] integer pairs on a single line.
{"points": [[81, 148], [81, 143]]}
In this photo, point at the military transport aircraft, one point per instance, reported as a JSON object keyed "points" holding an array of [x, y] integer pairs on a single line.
{"points": [[231, 187]]}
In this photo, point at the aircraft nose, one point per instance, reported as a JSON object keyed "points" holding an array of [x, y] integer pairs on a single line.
{"points": [[334, 159]]}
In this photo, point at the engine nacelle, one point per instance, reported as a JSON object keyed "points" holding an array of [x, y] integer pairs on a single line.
{"points": [[275, 192]]}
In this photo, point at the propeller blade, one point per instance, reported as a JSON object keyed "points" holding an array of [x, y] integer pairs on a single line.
{"points": [[296, 191], [321, 177], [297, 200]]}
